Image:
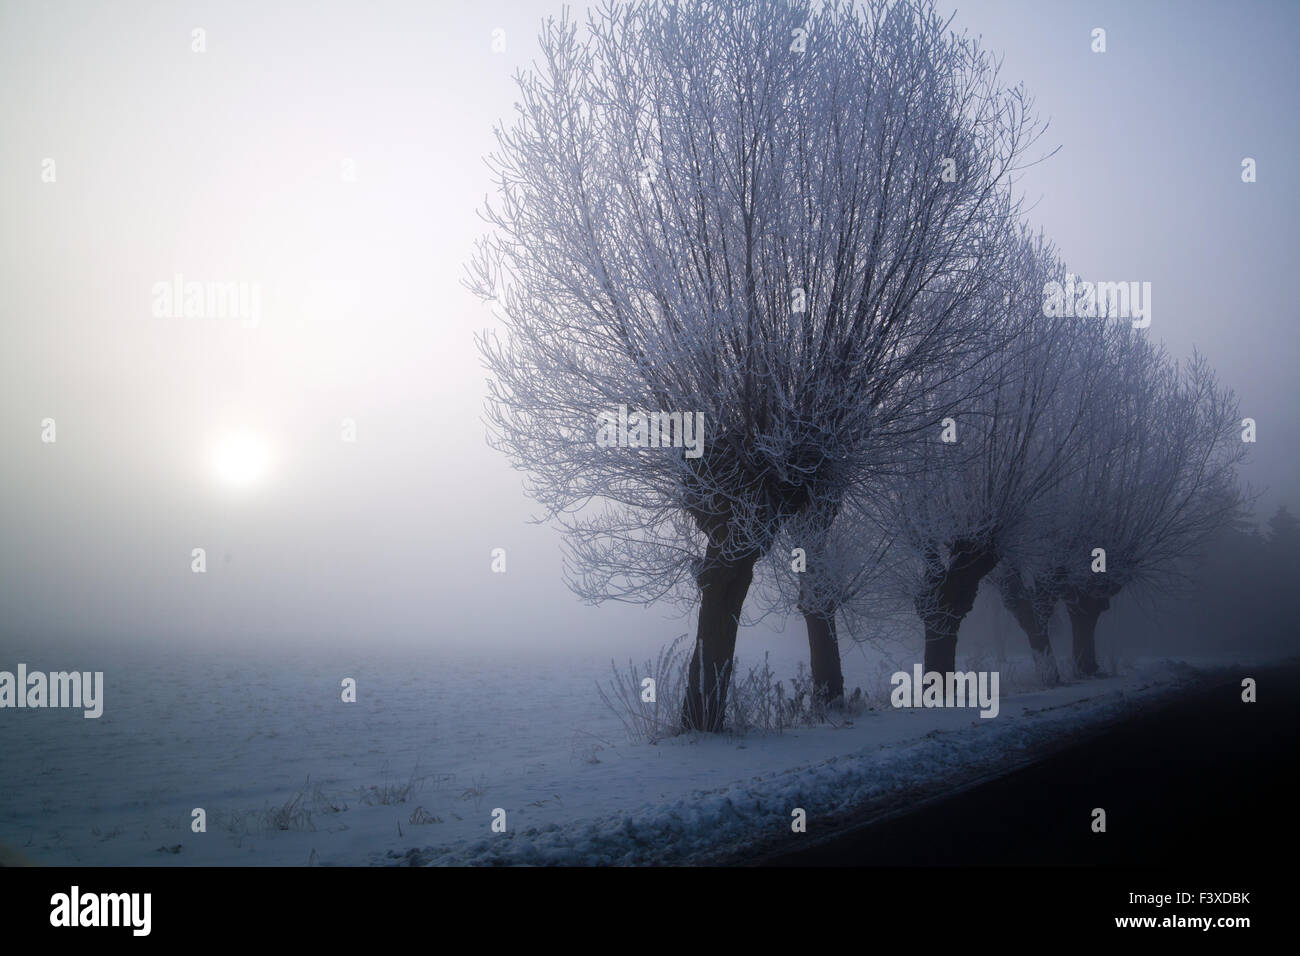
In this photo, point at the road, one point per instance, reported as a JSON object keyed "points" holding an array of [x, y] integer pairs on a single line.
{"points": [[1204, 780]]}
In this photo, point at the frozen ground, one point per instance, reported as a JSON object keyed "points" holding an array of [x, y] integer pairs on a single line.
{"points": [[290, 775]]}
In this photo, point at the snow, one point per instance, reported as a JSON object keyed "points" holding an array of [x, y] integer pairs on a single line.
{"points": [[465, 730]]}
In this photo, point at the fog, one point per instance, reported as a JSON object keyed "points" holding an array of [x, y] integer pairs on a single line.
{"points": [[235, 165]]}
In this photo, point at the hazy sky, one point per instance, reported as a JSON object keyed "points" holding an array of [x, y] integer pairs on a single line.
{"points": [[232, 165]]}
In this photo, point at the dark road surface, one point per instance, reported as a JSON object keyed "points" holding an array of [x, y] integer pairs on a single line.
{"points": [[1202, 781]]}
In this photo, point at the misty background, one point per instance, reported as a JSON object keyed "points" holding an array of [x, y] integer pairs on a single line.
{"points": [[228, 166]]}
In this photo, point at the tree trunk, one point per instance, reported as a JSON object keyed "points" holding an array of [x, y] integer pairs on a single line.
{"points": [[723, 586], [824, 655], [1033, 619], [940, 650], [948, 600], [1084, 609]]}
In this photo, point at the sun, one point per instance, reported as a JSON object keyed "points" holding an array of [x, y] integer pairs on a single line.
{"points": [[240, 458]]}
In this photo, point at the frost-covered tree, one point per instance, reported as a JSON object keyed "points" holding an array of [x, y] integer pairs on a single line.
{"points": [[982, 492], [1030, 579], [978, 495], [1159, 480], [827, 567], [767, 216], [1032, 601]]}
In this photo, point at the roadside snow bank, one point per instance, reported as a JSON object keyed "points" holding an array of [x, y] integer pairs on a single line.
{"points": [[881, 759]]}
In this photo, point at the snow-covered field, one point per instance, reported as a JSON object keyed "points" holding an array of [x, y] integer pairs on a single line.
{"points": [[438, 739]]}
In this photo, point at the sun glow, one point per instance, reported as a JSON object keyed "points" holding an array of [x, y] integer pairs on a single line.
{"points": [[240, 458]]}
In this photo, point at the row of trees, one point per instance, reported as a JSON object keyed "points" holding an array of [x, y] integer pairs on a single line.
{"points": [[803, 223]]}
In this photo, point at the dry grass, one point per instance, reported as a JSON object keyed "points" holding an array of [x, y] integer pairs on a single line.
{"points": [[650, 721], [757, 702]]}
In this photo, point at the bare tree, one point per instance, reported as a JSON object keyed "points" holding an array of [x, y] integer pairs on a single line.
{"points": [[982, 491], [1159, 480], [1031, 602], [828, 564], [770, 214], [1030, 579]]}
